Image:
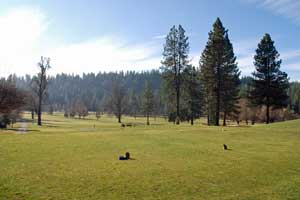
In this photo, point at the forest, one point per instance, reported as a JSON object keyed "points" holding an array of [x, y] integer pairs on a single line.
{"points": [[177, 90]]}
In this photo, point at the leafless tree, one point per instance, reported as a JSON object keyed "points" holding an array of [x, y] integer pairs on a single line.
{"points": [[118, 100], [39, 85]]}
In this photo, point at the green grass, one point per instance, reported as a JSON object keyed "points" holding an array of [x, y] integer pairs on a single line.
{"points": [[69, 159]]}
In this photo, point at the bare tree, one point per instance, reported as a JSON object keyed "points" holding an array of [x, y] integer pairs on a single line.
{"points": [[39, 85], [81, 109], [118, 99]]}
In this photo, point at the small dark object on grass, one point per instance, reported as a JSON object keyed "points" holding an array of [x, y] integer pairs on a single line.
{"points": [[123, 125], [126, 157], [127, 154], [122, 158], [225, 147]]}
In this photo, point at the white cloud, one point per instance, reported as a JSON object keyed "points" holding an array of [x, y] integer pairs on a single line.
{"points": [[103, 54], [287, 8], [23, 39], [20, 36]]}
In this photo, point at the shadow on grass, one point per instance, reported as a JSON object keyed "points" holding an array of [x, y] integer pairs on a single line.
{"points": [[51, 126], [25, 120], [18, 129]]}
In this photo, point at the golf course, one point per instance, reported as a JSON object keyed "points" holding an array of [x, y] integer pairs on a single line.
{"points": [[79, 159]]}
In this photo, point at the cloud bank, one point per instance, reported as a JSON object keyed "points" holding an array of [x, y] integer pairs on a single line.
{"points": [[24, 38]]}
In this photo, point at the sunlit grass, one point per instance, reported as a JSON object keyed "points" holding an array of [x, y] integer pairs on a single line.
{"points": [[78, 159]]}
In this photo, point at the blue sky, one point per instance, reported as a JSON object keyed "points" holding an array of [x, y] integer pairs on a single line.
{"points": [[109, 35]]}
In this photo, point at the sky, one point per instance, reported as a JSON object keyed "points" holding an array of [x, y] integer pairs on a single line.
{"points": [[111, 35]]}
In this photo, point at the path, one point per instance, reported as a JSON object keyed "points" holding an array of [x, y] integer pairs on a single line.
{"points": [[22, 129]]}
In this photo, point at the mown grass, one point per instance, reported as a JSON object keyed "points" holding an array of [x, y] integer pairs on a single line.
{"points": [[78, 159]]}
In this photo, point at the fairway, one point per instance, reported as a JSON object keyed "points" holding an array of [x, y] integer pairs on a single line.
{"points": [[78, 159]]}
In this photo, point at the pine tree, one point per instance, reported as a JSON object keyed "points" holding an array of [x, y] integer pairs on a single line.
{"points": [[148, 101], [175, 60], [194, 96], [270, 84], [219, 74], [230, 82]]}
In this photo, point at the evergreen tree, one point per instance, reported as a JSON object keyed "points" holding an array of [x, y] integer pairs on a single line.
{"points": [[175, 60], [219, 74], [194, 97], [230, 82], [270, 84], [148, 101]]}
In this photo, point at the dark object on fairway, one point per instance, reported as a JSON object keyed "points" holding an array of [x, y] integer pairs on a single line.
{"points": [[225, 147], [126, 157], [127, 154], [122, 158], [123, 125]]}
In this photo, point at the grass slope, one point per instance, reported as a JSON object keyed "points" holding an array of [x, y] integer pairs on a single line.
{"points": [[70, 159]]}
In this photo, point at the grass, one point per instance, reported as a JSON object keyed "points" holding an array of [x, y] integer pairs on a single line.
{"points": [[70, 159]]}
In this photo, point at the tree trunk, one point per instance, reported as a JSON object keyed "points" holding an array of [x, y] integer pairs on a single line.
{"points": [[177, 104], [224, 119], [268, 114], [268, 98], [208, 117], [40, 112], [119, 118], [217, 117], [208, 120], [39, 118], [192, 121], [148, 119], [32, 114]]}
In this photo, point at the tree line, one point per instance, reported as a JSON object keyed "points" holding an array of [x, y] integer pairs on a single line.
{"points": [[178, 90]]}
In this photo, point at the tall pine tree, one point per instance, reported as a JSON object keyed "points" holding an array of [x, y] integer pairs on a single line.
{"points": [[269, 84], [219, 73], [175, 60], [230, 82]]}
